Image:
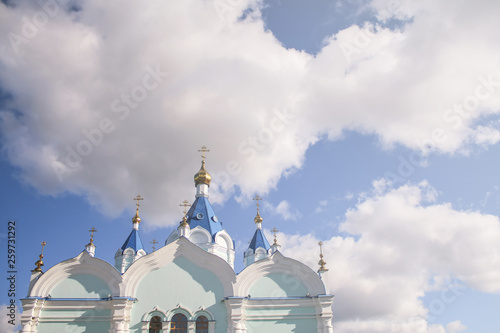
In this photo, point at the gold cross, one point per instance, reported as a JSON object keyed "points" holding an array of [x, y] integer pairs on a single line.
{"points": [[43, 245], [154, 242], [257, 198], [137, 198], [321, 262], [203, 150], [185, 204], [275, 231], [39, 262], [92, 235]]}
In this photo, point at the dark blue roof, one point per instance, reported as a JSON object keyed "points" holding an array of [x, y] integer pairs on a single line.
{"points": [[133, 241], [259, 240], [201, 214]]}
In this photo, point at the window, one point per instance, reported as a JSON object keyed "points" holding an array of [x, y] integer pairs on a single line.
{"points": [[202, 324], [178, 324], [155, 325]]}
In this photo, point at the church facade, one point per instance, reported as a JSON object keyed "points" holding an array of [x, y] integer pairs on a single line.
{"points": [[187, 285]]}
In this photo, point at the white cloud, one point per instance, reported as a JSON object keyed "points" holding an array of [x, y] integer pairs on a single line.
{"points": [[321, 205], [284, 210], [399, 246], [5, 326], [455, 326], [231, 85]]}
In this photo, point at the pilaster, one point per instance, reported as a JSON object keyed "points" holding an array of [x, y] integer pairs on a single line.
{"points": [[324, 313], [236, 317], [31, 314], [120, 318]]}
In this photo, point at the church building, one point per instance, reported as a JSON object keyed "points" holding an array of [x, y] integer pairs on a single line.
{"points": [[187, 286]]}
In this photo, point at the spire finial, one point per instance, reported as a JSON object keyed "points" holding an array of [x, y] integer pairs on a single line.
{"points": [[321, 262], [275, 231], [39, 262], [257, 198], [138, 198], [92, 235], [184, 221], [136, 218], [203, 150], [258, 218], [154, 242], [185, 204], [202, 176]]}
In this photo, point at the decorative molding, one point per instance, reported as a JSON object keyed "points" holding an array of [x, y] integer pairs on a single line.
{"points": [[228, 241], [179, 248], [156, 310], [278, 264], [203, 238], [81, 264]]}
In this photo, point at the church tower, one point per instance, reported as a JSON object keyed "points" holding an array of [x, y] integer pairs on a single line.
{"points": [[200, 224], [259, 247], [132, 249]]}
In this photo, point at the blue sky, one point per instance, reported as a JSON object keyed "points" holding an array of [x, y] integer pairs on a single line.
{"points": [[369, 125]]}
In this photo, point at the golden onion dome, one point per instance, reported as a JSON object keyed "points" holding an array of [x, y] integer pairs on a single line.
{"points": [[184, 222], [258, 218], [136, 218], [202, 176]]}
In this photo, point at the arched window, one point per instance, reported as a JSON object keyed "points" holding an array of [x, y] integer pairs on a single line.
{"points": [[201, 324], [178, 324], [155, 325]]}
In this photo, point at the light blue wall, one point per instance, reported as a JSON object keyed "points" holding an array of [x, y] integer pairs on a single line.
{"points": [[277, 285], [282, 326], [298, 319], [180, 282], [74, 326], [81, 286]]}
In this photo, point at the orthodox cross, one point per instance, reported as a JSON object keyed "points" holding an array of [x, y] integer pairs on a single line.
{"points": [[43, 245], [39, 263], [185, 204], [321, 262], [138, 198], [154, 242], [203, 150], [92, 235], [257, 198], [275, 231]]}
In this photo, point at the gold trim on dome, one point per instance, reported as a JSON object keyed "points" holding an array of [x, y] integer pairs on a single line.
{"points": [[39, 262], [202, 176], [258, 218], [184, 222], [136, 218]]}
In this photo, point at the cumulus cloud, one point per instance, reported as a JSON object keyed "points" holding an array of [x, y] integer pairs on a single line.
{"points": [[455, 326], [400, 244], [284, 210], [108, 100], [321, 205], [5, 326]]}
